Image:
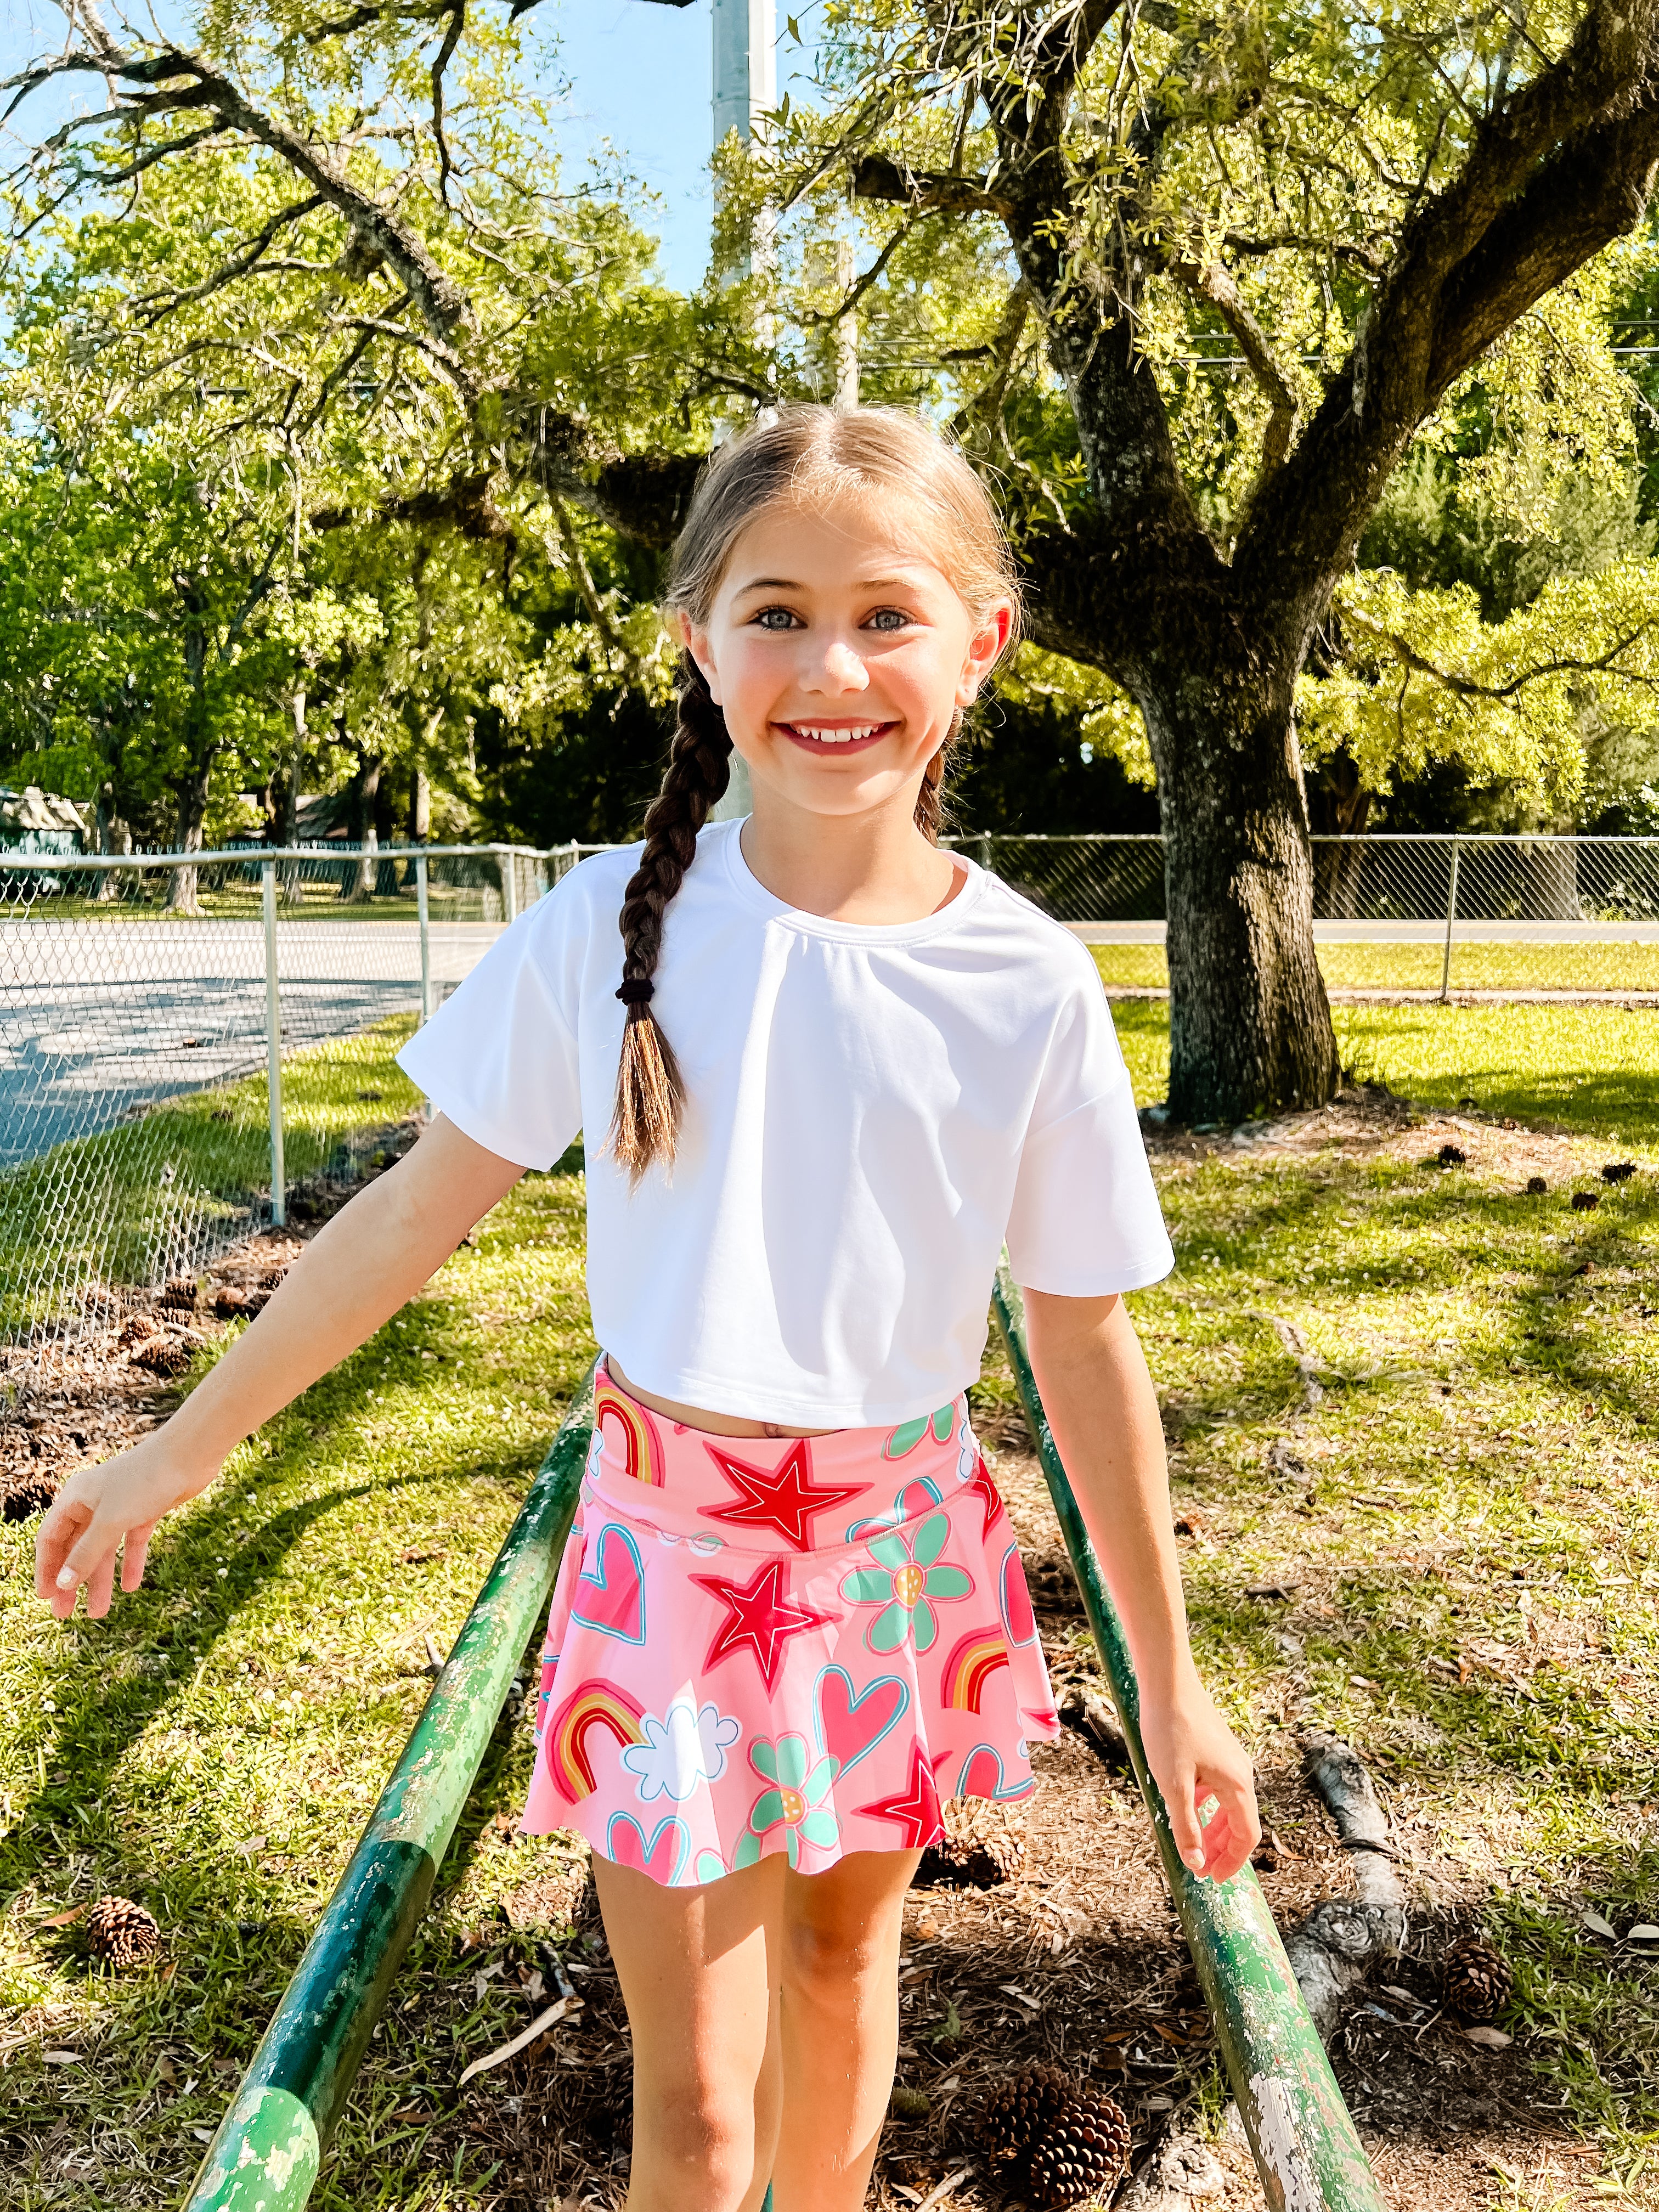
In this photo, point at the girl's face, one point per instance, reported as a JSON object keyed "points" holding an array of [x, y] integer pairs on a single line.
{"points": [[839, 659]]}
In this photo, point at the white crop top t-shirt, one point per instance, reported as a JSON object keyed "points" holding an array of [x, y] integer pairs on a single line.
{"points": [[870, 1111]]}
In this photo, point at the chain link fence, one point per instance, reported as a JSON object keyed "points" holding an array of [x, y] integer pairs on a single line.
{"points": [[194, 1047], [1394, 915]]}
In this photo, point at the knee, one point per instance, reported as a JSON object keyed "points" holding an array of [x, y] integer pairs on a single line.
{"points": [[836, 1961], [704, 2130]]}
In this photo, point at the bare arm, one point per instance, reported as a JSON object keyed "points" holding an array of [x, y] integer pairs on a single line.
{"points": [[355, 1274], [1103, 1411]]}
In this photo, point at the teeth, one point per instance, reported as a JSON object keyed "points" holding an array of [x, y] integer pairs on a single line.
{"points": [[837, 737]]}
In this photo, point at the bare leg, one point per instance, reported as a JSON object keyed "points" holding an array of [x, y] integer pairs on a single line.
{"points": [[698, 1974], [840, 2026]]}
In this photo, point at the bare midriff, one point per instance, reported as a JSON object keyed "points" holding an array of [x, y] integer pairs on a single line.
{"points": [[699, 1417]]}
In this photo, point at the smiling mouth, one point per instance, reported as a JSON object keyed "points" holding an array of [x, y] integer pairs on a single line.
{"points": [[840, 736]]}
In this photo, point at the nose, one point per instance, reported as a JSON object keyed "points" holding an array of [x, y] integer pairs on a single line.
{"points": [[842, 669]]}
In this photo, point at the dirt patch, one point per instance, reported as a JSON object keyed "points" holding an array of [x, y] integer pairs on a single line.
{"points": [[97, 1389], [1370, 1122]]}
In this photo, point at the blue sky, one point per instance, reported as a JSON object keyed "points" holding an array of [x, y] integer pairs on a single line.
{"points": [[640, 81]]}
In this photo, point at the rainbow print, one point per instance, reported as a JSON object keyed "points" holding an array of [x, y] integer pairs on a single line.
{"points": [[631, 1427], [591, 1705], [973, 1660]]}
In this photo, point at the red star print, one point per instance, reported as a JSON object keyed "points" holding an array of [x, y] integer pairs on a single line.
{"points": [[986, 1490], [783, 1497], [760, 1615], [917, 1810]]}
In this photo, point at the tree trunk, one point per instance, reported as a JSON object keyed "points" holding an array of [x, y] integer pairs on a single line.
{"points": [[420, 816], [182, 896], [1338, 805], [192, 813], [365, 790], [106, 834], [288, 828], [1249, 1022]]}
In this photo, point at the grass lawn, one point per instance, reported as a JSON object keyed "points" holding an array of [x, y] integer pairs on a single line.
{"points": [[1416, 967], [1469, 1535], [1593, 1070]]}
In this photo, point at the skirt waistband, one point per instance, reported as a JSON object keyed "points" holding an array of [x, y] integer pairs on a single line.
{"points": [[770, 1494]]}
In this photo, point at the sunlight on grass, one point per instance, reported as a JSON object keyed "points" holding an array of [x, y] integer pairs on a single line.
{"points": [[1417, 966], [1593, 1069]]}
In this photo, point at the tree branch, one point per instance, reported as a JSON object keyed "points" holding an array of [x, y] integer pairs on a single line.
{"points": [[191, 81], [1466, 687], [1211, 283], [152, 305], [877, 178], [1552, 176]]}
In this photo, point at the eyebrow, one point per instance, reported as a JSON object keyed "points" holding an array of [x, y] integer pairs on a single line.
{"points": [[788, 584]]}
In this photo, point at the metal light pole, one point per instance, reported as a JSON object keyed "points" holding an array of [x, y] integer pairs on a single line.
{"points": [[745, 87]]}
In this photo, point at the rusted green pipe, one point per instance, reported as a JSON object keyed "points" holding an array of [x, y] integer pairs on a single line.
{"points": [[1309, 2156], [269, 2144]]}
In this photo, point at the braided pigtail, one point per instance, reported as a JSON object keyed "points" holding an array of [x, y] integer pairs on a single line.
{"points": [[930, 800], [650, 1093]]}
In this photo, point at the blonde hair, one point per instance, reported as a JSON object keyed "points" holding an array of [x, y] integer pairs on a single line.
{"points": [[817, 457]]}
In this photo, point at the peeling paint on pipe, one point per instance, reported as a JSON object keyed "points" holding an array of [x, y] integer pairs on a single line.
{"points": [[266, 2152], [1308, 2155]]}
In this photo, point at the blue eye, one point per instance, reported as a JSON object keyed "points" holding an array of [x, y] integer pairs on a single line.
{"points": [[774, 618], [888, 619]]}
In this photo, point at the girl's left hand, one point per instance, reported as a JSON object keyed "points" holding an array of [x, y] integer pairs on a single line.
{"points": [[1194, 1756]]}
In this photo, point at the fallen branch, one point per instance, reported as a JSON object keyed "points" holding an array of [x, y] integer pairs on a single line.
{"points": [[539, 2026], [1306, 1365], [1338, 1943]]}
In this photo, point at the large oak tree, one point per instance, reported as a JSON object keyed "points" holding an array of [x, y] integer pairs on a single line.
{"points": [[1367, 206]]}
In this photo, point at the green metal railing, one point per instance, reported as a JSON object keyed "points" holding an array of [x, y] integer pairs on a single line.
{"points": [[1306, 2150], [266, 2152], [265, 2155]]}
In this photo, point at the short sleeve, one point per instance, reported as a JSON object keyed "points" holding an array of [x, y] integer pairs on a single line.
{"points": [[1085, 1220], [499, 1058]]}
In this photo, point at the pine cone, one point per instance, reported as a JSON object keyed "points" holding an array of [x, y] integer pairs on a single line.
{"points": [[139, 1330], [122, 1932], [1452, 1156], [1019, 2110], [179, 1296], [1475, 1979], [164, 1355], [979, 1849], [1086, 2151], [27, 1494]]}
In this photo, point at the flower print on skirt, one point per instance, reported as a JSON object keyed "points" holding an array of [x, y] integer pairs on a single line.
{"points": [[796, 1645]]}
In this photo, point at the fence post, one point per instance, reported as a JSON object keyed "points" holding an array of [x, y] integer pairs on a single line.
{"points": [[985, 854], [1451, 916], [509, 884], [274, 1047]]}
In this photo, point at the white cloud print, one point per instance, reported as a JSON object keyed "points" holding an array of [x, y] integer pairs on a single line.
{"points": [[686, 1746]]}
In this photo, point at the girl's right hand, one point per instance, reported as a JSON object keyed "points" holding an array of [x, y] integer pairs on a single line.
{"points": [[99, 1510]]}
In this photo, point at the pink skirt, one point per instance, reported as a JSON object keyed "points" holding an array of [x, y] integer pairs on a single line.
{"points": [[801, 1644]]}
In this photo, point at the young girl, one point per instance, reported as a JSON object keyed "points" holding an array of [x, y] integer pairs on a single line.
{"points": [[825, 1069]]}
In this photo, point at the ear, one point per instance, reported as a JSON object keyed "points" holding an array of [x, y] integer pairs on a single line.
{"points": [[985, 648], [695, 642]]}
